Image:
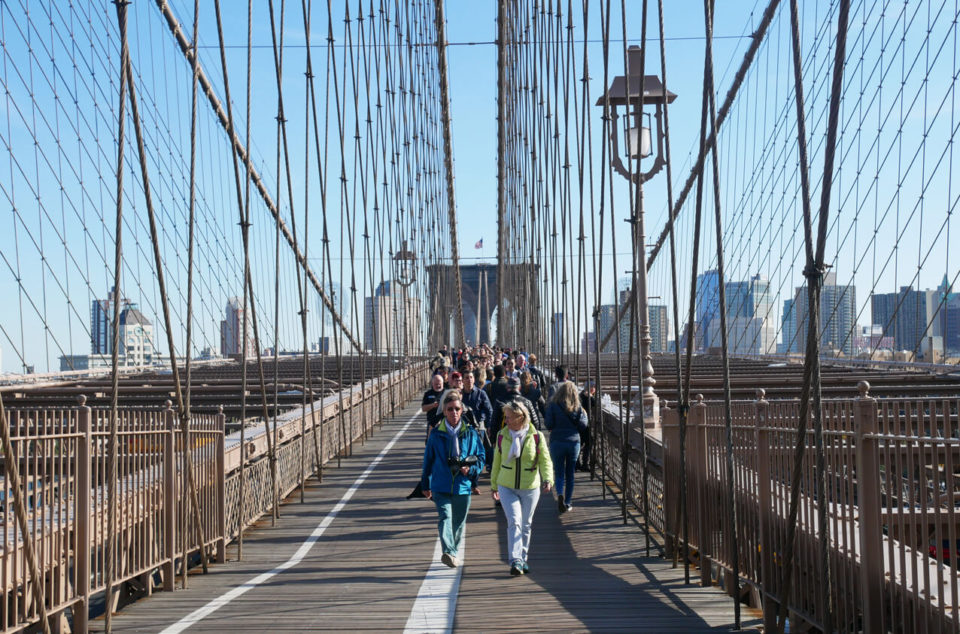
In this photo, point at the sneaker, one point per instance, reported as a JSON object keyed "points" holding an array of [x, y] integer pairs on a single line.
{"points": [[569, 507], [449, 560], [560, 505], [526, 568], [516, 569]]}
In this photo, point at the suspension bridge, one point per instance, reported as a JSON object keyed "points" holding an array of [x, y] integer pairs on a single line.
{"points": [[237, 234]]}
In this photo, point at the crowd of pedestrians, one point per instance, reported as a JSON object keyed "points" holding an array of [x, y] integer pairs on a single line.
{"points": [[493, 408]]}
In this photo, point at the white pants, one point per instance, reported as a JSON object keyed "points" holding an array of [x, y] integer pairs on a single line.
{"points": [[518, 506]]}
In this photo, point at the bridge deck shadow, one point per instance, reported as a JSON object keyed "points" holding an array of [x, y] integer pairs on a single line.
{"points": [[589, 571]]}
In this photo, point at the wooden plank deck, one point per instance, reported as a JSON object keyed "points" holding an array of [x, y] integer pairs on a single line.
{"points": [[364, 572]]}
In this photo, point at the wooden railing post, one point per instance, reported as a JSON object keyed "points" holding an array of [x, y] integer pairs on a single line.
{"points": [[697, 421], [169, 502], [221, 476], [670, 430], [869, 502], [764, 512], [82, 519]]}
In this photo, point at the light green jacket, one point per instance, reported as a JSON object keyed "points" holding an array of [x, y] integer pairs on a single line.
{"points": [[526, 472]]}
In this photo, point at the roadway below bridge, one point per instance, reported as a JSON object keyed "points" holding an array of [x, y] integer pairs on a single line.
{"points": [[359, 556]]}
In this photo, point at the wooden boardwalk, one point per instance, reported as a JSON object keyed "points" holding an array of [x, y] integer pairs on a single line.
{"points": [[371, 553]]}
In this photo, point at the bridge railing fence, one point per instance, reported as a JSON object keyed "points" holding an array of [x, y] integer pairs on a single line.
{"points": [[892, 494], [62, 455]]}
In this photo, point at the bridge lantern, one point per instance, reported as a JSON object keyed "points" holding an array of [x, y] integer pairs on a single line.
{"points": [[405, 266], [638, 141]]}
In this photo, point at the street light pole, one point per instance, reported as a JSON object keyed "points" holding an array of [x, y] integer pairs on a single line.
{"points": [[632, 92]]}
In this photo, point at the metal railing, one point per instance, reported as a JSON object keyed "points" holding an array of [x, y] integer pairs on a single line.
{"points": [[62, 460], [892, 495]]}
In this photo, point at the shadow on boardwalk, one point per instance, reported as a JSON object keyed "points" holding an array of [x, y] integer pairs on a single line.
{"points": [[365, 571]]}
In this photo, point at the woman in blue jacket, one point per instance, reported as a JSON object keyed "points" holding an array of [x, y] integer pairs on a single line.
{"points": [[452, 461], [565, 419]]}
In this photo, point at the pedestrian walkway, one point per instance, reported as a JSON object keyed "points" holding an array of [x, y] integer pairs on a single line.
{"points": [[355, 557]]}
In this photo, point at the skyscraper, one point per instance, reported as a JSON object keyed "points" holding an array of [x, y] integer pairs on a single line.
{"points": [[907, 315], [606, 318], [659, 328], [556, 335], [136, 337], [708, 305], [101, 323], [838, 316], [391, 321], [231, 328], [788, 329]]}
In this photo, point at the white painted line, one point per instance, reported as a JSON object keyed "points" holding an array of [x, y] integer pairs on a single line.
{"points": [[227, 597], [436, 603]]}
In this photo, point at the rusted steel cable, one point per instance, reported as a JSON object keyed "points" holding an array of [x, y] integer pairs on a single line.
{"points": [[813, 271], [682, 403], [734, 546], [241, 152], [184, 415], [448, 157], [111, 554]]}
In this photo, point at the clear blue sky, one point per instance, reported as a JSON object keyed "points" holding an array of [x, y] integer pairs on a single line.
{"points": [[900, 71]]}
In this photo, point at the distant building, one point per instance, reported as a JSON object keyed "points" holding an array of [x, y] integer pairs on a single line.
{"points": [[588, 343], [136, 337], [556, 333], [838, 316], [788, 329], [101, 318], [659, 328], [746, 335], [230, 331], [606, 319], [909, 316], [76, 362], [391, 321], [708, 305]]}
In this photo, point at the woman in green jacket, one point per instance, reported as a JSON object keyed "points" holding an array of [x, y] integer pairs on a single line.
{"points": [[521, 464]]}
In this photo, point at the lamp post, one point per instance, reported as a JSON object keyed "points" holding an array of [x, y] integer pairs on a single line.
{"points": [[644, 90], [404, 275]]}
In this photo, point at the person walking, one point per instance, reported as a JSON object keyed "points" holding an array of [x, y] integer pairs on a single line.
{"points": [[520, 468], [452, 461], [565, 419], [532, 392]]}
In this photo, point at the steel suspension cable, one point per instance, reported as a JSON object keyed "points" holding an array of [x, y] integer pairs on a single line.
{"points": [[727, 413], [111, 554], [814, 271], [682, 401], [244, 212]]}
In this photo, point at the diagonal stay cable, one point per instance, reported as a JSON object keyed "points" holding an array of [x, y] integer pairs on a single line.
{"points": [[814, 273], [241, 152]]}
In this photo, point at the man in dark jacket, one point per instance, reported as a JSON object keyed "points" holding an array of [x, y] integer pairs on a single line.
{"points": [[498, 388], [513, 395], [537, 373]]}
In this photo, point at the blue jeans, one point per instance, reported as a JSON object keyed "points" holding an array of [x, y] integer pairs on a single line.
{"points": [[564, 454], [452, 511], [518, 506]]}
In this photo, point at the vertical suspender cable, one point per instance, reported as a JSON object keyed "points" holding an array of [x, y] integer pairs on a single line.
{"points": [[734, 546], [184, 415], [448, 156], [111, 554], [682, 404], [814, 271], [244, 211]]}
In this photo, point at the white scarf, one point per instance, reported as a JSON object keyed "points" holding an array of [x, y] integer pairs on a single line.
{"points": [[517, 445], [454, 432]]}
